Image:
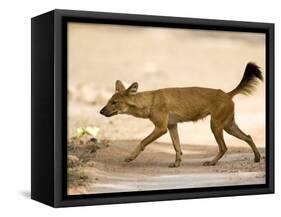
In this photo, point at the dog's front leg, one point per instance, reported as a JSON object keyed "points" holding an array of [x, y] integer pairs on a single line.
{"points": [[156, 133], [173, 130], [160, 121]]}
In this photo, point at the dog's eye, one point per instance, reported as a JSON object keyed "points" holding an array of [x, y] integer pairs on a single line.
{"points": [[114, 102]]}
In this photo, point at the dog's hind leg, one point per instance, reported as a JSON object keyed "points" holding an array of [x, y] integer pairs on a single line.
{"points": [[218, 133], [234, 130], [173, 130], [219, 119]]}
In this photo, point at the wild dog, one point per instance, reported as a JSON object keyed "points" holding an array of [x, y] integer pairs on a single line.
{"points": [[167, 107]]}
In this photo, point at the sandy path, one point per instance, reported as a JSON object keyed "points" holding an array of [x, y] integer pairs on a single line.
{"points": [[150, 170]]}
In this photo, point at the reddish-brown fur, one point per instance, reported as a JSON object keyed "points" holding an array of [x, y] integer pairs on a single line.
{"points": [[167, 107]]}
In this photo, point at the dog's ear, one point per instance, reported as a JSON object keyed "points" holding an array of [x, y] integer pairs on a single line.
{"points": [[119, 86], [133, 88]]}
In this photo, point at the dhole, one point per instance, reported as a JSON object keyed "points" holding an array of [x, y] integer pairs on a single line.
{"points": [[169, 106]]}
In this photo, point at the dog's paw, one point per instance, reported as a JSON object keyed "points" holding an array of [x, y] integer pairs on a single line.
{"points": [[174, 165], [128, 159], [257, 159], [209, 163]]}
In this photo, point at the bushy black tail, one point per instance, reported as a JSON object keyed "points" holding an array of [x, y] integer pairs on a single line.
{"points": [[249, 81]]}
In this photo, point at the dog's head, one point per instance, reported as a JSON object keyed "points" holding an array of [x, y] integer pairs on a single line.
{"points": [[121, 100]]}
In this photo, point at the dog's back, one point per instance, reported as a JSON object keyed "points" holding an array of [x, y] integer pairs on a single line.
{"points": [[190, 103]]}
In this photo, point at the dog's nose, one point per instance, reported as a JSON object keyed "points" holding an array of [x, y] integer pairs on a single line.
{"points": [[102, 111]]}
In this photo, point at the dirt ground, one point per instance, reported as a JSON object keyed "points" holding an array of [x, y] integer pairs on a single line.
{"points": [[150, 171], [158, 58]]}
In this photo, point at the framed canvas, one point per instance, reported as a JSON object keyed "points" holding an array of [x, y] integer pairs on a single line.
{"points": [[133, 108]]}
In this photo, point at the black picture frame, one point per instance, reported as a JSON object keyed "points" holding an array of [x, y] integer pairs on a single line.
{"points": [[49, 107]]}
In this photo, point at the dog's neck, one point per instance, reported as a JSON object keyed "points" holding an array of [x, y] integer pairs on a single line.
{"points": [[140, 105]]}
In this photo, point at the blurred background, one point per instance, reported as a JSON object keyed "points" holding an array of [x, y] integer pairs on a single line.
{"points": [[100, 54]]}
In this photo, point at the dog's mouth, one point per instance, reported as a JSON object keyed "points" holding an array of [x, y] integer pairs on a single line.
{"points": [[111, 114]]}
